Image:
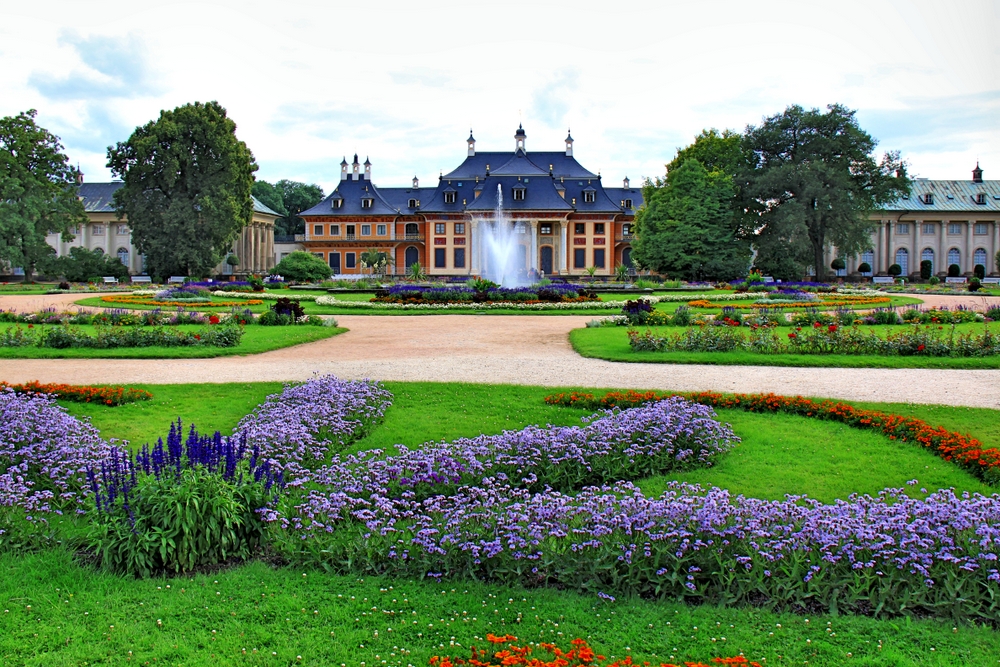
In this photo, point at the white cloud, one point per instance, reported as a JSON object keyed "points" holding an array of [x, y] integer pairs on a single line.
{"points": [[401, 83]]}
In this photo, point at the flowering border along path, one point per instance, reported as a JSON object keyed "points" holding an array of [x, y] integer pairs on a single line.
{"points": [[110, 395], [961, 449]]}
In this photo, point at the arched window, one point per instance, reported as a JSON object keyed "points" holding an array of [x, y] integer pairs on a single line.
{"points": [[123, 255], [954, 257], [868, 257], [903, 259], [927, 255], [979, 257], [412, 256], [412, 231], [627, 259]]}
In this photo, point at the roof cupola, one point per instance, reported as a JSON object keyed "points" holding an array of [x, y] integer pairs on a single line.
{"points": [[343, 169], [472, 144], [354, 168], [569, 144], [625, 183], [519, 138], [368, 169], [416, 183], [977, 174]]}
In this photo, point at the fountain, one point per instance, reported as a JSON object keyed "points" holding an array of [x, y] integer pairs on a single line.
{"points": [[500, 247]]}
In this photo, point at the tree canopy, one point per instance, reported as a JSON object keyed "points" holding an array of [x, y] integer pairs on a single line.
{"points": [[289, 198], [187, 191], [811, 181], [38, 193], [686, 228], [82, 265]]}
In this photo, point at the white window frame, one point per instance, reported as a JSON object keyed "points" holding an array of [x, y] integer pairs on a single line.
{"points": [[980, 229], [902, 228], [366, 230], [317, 230], [334, 230], [97, 230], [459, 227], [366, 202], [380, 230], [954, 229], [440, 228], [589, 197], [449, 197], [122, 230]]}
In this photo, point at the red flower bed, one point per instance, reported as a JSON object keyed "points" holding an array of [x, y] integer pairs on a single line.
{"points": [[83, 393], [505, 653], [966, 451]]}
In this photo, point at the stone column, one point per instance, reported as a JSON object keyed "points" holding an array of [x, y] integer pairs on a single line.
{"points": [[533, 246], [563, 250], [969, 245], [879, 252], [943, 247], [888, 245], [918, 242], [996, 247], [474, 247]]}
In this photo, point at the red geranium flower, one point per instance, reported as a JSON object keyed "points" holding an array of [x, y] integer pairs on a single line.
{"points": [[832, 328], [816, 325], [197, 337], [792, 335], [31, 326], [213, 319], [920, 348]]}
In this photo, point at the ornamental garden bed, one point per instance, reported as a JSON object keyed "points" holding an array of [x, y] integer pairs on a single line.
{"points": [[292, 611]]}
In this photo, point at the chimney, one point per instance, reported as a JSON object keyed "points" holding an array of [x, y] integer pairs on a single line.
{"points": [[977, 174]]}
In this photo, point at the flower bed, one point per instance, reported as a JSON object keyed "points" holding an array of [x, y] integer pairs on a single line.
{"points": [[140, 300], [107, 338], [44, 454], [108, 317], [824, 301], [487, 292], [963, 450], [368, 305], [924, 341], [260, 297], [112, 396], [506, 653]]}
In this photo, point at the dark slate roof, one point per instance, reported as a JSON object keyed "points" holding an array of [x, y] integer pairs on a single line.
{"points": [[99, 198], [618, 194], [540, 195], [562, 164], [575, 187], [399, 198], [949, 196], [519, 165], [352, 193]]}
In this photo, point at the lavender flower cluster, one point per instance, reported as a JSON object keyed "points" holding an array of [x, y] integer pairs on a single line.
{"points": [[44, 453], [302, 426], [620, 444]]}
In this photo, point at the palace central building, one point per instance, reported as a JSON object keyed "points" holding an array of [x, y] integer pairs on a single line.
{"points": [[564, 219]]}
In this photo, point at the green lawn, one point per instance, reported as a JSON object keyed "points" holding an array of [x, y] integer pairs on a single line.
{"points": [[56, 611], [611, 343], [256, 339]]}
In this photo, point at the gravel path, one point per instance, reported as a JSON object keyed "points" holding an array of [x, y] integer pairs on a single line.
{"points": [[531, 350]]}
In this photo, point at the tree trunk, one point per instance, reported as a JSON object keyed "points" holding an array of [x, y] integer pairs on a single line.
{"points": [[818, 262]]}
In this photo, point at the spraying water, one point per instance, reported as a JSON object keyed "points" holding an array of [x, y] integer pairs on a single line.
{"points": [[504, 259]]}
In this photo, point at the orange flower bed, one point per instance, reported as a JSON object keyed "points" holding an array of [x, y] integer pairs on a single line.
{"points": [[146, 301], [114, 395], [505, 653], [964, 450]]}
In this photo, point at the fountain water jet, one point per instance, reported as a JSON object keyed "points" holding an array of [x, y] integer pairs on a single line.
{"points": [[500, 247]]}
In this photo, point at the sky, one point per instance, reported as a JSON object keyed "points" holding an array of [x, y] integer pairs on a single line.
{"points": [[402, 83]]}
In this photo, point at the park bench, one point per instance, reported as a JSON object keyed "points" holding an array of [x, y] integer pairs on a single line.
{"points": [[768, 279], [883, 280], [176, 280], [142, 279], [956, 280], [110, 280], [991, 281]]}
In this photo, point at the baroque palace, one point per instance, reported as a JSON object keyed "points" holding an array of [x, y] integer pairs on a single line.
{"points": [[564, 218]]}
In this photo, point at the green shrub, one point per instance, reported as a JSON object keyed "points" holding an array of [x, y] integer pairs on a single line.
{"points": [[112, 337], [934, 280], [864, 267], [954, 271], [974, 284], [926, 267], [895, 270], [838, 264], [979, 271], [682, 316], [302, 266], [884, 316], [82, 265], [993, 313]]}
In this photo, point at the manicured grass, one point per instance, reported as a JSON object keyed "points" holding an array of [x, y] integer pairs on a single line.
{"points": [[256, 339], [780, 453], [611, 343], [55, 611], [59, 613]]}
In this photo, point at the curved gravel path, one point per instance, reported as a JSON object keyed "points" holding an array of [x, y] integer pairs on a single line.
{"points": [[531, 350]]}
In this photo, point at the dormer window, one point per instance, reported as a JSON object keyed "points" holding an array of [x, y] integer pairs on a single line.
{"points": [[519, 194], [338, 203], [627, 203], [981, 198], [928, 198], [449, 198], [366, 203], [588, 197], [414, 203]]}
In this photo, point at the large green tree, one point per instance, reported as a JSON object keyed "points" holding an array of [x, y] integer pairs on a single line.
{"points": [[289, 198], [187, 191], [812, 181], [686, 229], [38, 193]]}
